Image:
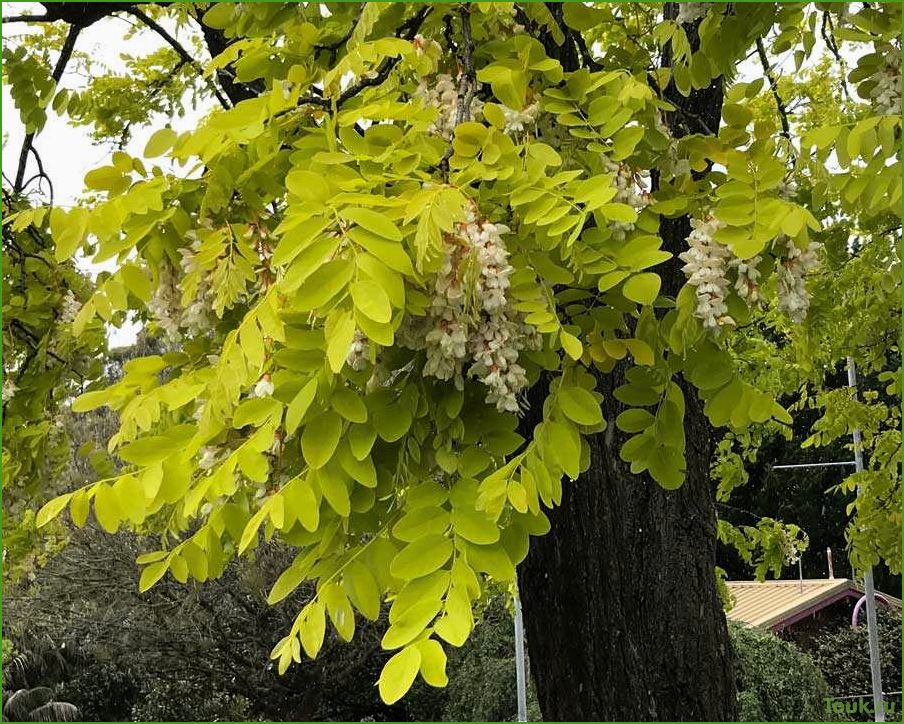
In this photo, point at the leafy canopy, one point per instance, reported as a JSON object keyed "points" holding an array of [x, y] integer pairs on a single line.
{"points": [[414, 219]]}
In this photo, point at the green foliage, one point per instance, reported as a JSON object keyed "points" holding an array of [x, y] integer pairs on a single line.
{"points": [[364, 266], [776, 680], [189, 701], [842, 654], [44, 365]]}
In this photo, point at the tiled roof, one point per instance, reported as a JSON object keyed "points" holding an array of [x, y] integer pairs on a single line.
{"points": [[774, 604]]}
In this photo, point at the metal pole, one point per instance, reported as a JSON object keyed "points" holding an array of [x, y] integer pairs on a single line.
{"points": [[520, 672], [869, 591], [812, 465]]}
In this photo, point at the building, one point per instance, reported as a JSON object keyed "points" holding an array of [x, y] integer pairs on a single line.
{"points": [[804, 604]]}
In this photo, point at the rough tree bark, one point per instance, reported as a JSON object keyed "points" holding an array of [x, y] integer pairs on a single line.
{"points": [[622, 616]]}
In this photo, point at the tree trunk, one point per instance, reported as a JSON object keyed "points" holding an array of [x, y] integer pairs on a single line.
{"points": [[621, 612], [622, 616]]}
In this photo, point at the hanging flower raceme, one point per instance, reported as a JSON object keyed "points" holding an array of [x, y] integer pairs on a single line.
{"points": [[165, 306], [358, 351], [793, 298], [71, 308], [197, 300], [518, 121], [9, 389], [443, 95], [886, 92], [706, 264], [470, 322], [746, 284]]}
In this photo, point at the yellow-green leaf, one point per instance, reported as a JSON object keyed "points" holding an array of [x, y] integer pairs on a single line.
{"points": [[160, 142], [51, 510], [580, 406], [642, 288], [371, 301], [421, 557], [320, 438], [398, 674], [571, 344], [373, 221], [433, 662], [299, 405]]}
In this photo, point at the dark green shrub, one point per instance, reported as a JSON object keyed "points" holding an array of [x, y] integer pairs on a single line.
{"points": [[183, 700], [842, 654], [776, 680]]}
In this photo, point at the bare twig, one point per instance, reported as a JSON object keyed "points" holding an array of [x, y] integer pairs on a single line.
{"points": [[828, 36]]}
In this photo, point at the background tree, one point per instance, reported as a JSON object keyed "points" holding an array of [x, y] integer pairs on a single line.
{"points": [[408, 224]]}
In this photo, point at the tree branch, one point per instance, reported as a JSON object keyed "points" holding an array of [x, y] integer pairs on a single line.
{"points": [[407, 31], [773, 85], [65, 55], [177, 46], [41, 174], [468, 81], [336, 44], [27, 19]]}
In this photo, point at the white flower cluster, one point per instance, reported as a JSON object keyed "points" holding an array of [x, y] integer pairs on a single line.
{"points": [[443, 95], [746, 284], [706, 264], [210, 456], [630, 190], [886, 92], [470, 321], [690, 12], [793, 298], [9, 389], [358, 351], [263, 388], [787, 189], [71, 308], [422, 45], [671, 164], [196, 316], [165, 305], [515, 121]]}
